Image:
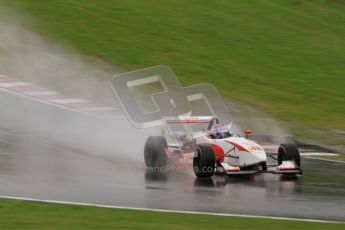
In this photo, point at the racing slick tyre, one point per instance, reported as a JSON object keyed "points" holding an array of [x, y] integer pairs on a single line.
{"points": [[155, 152], [289, 151], [204, 164]]}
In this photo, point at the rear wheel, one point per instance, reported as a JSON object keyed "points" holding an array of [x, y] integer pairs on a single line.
{"points": [[155, 152], [204, 164], [289, 152]]}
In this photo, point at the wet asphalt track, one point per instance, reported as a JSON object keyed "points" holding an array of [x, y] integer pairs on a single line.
{"points": [[39, 168]]}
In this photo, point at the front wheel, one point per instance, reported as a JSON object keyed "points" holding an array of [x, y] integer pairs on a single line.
{"points": [[204, 163], [289, 152]]}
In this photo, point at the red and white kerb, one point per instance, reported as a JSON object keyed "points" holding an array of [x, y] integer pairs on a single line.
{"points": [[55, 98]]}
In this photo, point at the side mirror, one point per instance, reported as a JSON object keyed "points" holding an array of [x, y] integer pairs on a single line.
{"points": [[247, 132]]}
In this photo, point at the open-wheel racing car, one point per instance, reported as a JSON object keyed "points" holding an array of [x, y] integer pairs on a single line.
{"points": [[214, 149]]}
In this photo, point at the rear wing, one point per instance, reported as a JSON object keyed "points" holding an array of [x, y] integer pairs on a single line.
{"points": [[210, 120], [188, 119]]}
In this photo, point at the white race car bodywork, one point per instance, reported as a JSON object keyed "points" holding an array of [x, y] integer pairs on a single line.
{"points": [[242, 152]]}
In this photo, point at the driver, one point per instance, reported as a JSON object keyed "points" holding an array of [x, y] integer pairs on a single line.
{"points": [[219, 131]]}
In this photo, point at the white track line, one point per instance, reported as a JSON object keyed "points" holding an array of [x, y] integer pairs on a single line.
{"points": [[323, 159], [318, 154], [90, 109], [3, 76], [40, 93], [170, 211], [68, 101], [14, 84]]}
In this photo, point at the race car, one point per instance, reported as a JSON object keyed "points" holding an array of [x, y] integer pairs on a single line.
{"points": [[208, 146]]}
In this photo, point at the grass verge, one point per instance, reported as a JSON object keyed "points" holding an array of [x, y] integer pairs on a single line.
{"points": [[15, 214]]}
